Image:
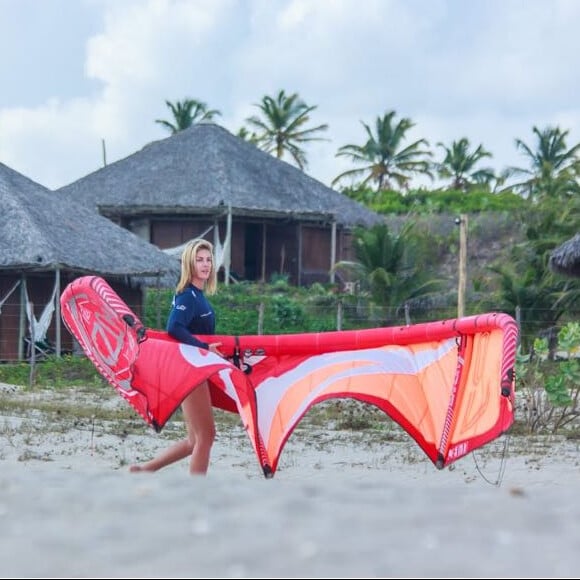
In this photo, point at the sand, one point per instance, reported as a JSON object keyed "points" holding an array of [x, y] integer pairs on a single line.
{"points": [[341, 505]]}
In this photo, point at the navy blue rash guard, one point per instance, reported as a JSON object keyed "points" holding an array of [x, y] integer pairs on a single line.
{"points": [[190, 314]]}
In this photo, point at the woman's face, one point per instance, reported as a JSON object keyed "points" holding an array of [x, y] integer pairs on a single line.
{"points": [[202, 266]]}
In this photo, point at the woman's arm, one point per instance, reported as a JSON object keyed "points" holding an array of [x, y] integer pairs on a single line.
{"points": [[181, 333]]}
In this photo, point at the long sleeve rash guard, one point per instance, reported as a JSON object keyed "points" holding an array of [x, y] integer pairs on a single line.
{"points": [[190, 314]]}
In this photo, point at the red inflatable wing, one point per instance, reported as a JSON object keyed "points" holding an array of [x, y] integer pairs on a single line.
{"points": [[153, 374], [449, 384]]}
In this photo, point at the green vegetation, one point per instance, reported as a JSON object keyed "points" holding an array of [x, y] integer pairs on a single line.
{"points": [[399, 271], [385, 159], [187, 113], [547, 380], [548, 383], [53, 372], [276, 308], [283, 126], [395, 269], [439, 201]]}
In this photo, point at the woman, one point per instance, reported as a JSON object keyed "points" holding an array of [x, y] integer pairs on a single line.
{"points": [[191, 314]]}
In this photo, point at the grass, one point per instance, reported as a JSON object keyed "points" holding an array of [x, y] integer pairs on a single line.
{"points": [[73, 390], [46, 424], [66, 371], [70, 406], [74, 396]]}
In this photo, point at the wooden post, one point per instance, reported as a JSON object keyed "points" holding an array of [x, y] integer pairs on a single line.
{"points": [[261, 318], [299, 273], [263, 273], [58, 320], [32, 376], [462, 281], [21, 317], [228, 250], [332, 251]]}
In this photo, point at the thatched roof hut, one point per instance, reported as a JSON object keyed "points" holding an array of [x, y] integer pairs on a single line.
{"points": [[565, 259], [205, 179], [41, 231], [205, 167], [47, 240]]}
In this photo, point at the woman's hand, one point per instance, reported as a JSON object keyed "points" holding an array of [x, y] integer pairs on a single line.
{"points": [[213, 347]]}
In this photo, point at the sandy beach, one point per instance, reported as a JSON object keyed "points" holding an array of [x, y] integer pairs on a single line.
{"points": [[342, 504]]}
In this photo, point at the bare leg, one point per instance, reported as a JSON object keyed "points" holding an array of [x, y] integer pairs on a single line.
{"points": [[198, 413], [176, 452]]}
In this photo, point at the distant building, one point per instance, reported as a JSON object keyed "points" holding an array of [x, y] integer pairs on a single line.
{"points": [[565, 259], [267, 216], [46, 241]]}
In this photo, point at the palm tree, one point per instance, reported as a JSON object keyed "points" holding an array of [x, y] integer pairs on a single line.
{"points": [[281, 128], [554, 168], [533, 289], [383, 158], [459, 165], [248, 136], [187, 113], [392, 267]]}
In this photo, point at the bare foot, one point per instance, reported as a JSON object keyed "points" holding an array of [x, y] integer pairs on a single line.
{"points": [[139, 468]]}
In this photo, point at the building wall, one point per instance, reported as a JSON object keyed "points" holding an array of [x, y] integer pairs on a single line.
{"points": [[316, 255], [9, 317], [300, 251], [40, 287]]}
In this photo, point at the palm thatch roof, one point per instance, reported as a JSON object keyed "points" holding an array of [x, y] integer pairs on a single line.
{"points": [[204, 168], [42, 231], [565, 259]]}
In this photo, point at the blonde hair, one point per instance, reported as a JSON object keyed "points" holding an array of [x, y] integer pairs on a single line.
{"points": [[188, 257]]}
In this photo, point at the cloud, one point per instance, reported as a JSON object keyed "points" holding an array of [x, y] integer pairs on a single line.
{"points": [[488, 71]]}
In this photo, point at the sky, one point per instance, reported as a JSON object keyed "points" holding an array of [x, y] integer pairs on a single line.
{"points": [[83, 81]]}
